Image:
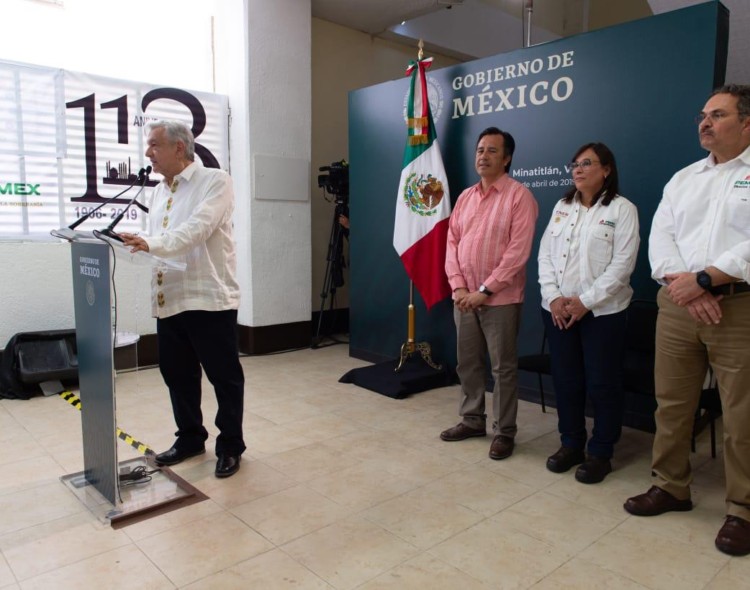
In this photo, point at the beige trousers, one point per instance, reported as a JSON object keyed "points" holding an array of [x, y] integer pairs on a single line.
{"points": [[684, 351], [489, 330]]}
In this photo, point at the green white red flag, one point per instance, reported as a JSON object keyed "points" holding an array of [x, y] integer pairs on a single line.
{"points": [[423, 203]]}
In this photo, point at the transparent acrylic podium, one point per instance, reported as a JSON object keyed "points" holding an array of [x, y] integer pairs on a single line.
{"points": [[100, 485]]}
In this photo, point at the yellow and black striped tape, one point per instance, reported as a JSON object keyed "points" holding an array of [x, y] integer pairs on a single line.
{"points": [[142, 448]]}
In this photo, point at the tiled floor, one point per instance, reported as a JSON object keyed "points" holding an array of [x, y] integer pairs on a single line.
{"points": [[343, 488]]}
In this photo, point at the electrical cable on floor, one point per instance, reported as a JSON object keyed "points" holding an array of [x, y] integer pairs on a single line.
{"points": [[137, 476]]}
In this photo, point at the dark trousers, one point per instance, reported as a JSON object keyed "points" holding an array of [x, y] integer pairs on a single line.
{"points": [[587, 362], [208, 339]]}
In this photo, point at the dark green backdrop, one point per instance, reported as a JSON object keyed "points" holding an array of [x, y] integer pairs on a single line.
{"points": [[636, 87]]}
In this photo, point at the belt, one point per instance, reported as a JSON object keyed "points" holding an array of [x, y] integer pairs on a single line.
{"points": [[731, 288]]}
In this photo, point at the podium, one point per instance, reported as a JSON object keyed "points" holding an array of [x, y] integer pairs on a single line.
{"points": [[98, 486]]}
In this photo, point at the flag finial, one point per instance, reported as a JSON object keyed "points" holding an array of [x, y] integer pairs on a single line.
{"points": [[420, 55]]}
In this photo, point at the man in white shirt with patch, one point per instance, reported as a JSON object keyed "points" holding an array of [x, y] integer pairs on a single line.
{"points": [[699, 250]]}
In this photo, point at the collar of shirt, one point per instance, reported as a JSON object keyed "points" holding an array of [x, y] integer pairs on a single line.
{"points": [[709, 162], [498, 185], [186, 174]]}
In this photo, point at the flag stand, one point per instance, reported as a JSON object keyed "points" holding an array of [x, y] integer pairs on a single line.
{"points": [[409, 347]]}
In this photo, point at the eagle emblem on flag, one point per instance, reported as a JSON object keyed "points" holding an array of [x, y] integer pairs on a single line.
{"points": [[422, 194]]}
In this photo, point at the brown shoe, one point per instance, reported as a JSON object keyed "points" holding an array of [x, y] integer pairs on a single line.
{"points": [[564, 459], [461, 432], [656, 501], [501, 447], [734, 536]]}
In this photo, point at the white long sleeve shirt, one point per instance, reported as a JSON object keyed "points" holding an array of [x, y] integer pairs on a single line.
{"points": [[193, 224], [607, 248], [703, 220]]}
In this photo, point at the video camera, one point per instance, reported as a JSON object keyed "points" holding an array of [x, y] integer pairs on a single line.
{"points": [[336, 182]]}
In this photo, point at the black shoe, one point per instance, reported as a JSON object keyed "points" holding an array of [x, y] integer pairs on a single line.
{"points": [[227, 465], [174, 455], [593, 470], [564, 459]]}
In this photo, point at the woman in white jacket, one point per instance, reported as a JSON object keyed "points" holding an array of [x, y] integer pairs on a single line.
{"points": [[586, 257]]}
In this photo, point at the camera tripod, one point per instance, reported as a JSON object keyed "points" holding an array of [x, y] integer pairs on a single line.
{"points": [[334, 277]]}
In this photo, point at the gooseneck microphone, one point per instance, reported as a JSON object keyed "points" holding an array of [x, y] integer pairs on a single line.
{"points": [[109, 230], [143, 172]]}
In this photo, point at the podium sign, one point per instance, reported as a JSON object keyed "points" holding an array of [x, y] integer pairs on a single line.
{"points": [[93, 315]]}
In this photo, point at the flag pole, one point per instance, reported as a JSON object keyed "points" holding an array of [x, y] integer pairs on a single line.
{"points": [[409, 347]]}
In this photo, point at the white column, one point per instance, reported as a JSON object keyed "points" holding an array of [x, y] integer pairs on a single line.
{"points": [[263, 64]]}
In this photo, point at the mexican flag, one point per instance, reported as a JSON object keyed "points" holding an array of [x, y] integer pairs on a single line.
{"points": [[423, 202]]}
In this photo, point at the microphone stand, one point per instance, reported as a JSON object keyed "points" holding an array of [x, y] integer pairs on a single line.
{"points": [[109, 230], [68, 233]]}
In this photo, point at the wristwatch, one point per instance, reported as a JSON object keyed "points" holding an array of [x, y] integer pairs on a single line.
{"points": [[485, 291], [704, 280]]}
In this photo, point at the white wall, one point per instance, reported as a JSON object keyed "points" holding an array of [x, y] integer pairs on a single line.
{"points": [[270, 101], [279, 115]]}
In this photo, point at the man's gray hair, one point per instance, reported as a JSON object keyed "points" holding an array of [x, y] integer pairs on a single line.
{"points": [[742, 93], [176, 131]]}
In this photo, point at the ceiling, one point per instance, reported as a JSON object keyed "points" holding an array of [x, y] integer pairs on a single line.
{"points": [[469, 29]]}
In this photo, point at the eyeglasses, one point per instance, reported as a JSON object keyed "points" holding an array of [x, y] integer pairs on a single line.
{"points": [[713, 116], [583, 164]]}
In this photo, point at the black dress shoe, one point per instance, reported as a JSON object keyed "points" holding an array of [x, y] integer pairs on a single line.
{"points": [[593, 470], [564, 459], [174, 455], [227, 465], [656, 501]]}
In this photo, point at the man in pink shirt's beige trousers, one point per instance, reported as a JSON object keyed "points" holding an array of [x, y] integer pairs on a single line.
{"points": [[490, 234]]}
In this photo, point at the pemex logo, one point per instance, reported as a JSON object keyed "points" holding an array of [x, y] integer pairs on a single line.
{"points": [[422, 194]]}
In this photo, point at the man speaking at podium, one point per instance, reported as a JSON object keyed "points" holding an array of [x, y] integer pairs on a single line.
{"points": [[190, 219]]}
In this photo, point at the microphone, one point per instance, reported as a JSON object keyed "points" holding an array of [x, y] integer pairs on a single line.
{"points": [[141, 173], [109, 230], [144, 172]]}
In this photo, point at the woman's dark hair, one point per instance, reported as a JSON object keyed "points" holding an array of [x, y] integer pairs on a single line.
{"points": [[611, 184], [509, 144]]}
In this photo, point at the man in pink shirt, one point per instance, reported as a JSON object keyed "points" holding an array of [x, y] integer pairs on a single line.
{"points": [[490, 234]]}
